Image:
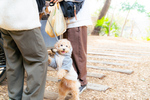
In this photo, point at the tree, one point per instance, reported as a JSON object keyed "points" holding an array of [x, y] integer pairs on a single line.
{"points": [[111, 21], [127, 7], [102, 14]]}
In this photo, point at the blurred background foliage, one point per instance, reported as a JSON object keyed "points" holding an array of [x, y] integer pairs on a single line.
{"points": [[121, 18]]}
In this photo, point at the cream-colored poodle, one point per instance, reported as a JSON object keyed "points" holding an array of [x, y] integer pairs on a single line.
{"points": [[63, 62]]}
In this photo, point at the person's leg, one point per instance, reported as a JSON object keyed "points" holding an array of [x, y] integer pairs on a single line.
{"points": [[35, 57], [14, 66], [78, 38]]}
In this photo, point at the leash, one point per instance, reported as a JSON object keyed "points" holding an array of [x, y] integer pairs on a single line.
{"points": [[53, 30]]}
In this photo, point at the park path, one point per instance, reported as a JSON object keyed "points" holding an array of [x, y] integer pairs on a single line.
{"points": [[118, 69]]}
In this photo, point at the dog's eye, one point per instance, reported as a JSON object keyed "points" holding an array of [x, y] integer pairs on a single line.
{"points": [[66, 46], [61, 45]]}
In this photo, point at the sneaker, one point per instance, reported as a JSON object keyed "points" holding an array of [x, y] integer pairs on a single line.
{"points": [[82, 88]]}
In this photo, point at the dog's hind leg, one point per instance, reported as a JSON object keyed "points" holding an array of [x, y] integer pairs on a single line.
{"points": [[62, 95], [62, 92], [75, 93]]}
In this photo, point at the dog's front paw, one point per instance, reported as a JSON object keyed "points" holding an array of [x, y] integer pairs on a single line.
{"points": [[61, 73], [51, 52]]}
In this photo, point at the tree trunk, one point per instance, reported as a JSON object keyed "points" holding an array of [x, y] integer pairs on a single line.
{"points": [[131, 33], [111, 22], [124, 24], [102, 14]]}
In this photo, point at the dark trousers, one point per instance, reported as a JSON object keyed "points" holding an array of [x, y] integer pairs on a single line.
{"points": [[78, 38], [25, 51]]}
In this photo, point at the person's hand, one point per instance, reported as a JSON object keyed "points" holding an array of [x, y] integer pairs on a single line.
{"points": [[53, 1]]}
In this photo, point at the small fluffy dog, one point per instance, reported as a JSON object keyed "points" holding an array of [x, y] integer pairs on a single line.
{"points": [[63, 62]]}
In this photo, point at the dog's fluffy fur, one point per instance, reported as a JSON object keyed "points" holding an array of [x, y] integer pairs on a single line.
{"points": [[66, 85]]}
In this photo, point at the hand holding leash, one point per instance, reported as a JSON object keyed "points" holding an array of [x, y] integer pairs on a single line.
{"points": [[52, 2]]}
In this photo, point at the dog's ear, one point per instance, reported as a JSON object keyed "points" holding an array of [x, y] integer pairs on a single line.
{"points": [[69, 44]]}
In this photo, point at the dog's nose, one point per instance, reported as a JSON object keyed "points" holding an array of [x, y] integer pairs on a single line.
{"points": [[63, 49]]}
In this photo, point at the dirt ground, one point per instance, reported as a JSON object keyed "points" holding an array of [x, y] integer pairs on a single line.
{"points": [[135, 86]]}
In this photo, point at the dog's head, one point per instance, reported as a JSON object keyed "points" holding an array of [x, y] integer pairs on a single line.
{"points": [[63, 46]]}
